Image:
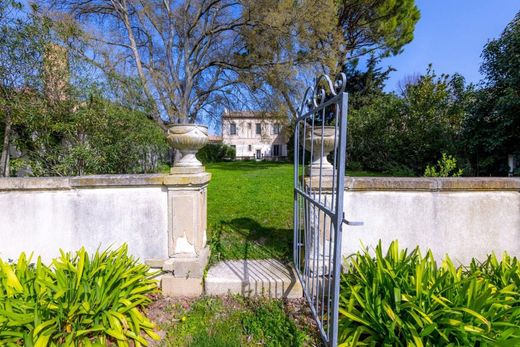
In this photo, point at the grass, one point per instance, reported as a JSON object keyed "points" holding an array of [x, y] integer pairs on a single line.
{"points": [[233, 321], [250, 209]]}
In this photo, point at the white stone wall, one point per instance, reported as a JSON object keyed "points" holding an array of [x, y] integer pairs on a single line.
{"points": [[44, 221], [42, 215], [247, 141], [463, 218]]}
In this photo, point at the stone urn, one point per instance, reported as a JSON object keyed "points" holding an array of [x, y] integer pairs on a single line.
{"points": [[188, 139], [320, 138]]}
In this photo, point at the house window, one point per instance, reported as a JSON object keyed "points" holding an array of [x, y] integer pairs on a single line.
{"points": [[232, 129], [258, 129], [249, 148], [276, 129], [276, 150]]}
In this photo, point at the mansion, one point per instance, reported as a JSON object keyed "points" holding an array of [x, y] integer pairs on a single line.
{"points": [[255, 135]]}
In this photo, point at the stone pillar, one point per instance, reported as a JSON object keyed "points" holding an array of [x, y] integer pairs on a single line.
{"points": [[187, 224]]}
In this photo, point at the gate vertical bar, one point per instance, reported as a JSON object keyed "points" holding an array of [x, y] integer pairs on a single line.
{"points": [[296, 213], [339, 215]]}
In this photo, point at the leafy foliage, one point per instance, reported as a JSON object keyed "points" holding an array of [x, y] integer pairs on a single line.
{"points": [[405, 299], [94, 137], [402, 133], [383, 29], [59, 121], [492, 128], [446, 167], [21, 50], [215, 152], [408, 131], [364, 86], [80, 300]]}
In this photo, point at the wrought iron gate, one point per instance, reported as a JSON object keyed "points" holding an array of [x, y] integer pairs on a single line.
{"points": [[321, 127]]}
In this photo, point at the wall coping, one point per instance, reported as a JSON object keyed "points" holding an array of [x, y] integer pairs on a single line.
{"points": [[103, 181], [420, 184], [432, 184]]}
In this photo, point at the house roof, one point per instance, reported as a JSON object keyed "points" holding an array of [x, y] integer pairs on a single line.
{"points": [[215, 138], [247, 114]]}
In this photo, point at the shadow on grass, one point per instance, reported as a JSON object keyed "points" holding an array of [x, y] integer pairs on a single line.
{"points": [[245, 238], [245, 165]]}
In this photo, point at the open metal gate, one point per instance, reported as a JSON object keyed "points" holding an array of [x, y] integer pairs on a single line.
{"points": [[319, 176]]}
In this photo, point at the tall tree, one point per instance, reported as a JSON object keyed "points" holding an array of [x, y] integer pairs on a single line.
{"points": [[191, 57], [379, 27], [364, 86], [340, 32], [181, 53], [21, 50], [300, 38], [188, 56], [492, 129]]}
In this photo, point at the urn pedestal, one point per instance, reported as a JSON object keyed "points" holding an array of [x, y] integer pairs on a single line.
{"points": [[187, 139], [321, 141]]}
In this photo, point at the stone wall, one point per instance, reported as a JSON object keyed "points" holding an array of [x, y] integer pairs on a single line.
{"points": [[158, 216], [463, 217]]}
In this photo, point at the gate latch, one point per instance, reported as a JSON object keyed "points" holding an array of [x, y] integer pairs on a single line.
{"points": [[352, 223]]}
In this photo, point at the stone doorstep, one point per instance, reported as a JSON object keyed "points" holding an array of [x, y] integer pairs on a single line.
{"points": [[269, 277]]}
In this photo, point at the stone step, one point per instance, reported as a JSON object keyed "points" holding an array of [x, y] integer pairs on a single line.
{"points": [[269, 277]]}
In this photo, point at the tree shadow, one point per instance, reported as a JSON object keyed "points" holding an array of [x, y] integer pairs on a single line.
{"points": [[245, 238]]}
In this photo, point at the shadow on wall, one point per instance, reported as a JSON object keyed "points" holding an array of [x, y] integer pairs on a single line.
{"points": [[245, 238]]}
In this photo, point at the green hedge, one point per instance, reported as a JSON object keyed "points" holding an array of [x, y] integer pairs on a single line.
{"points": [[406, 299], [79, 300], [215, 152]]}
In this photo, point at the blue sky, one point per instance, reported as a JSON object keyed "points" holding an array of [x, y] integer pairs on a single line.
{"points": [[451, 35]]}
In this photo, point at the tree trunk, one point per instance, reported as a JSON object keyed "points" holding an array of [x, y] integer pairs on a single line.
{"points": [[294, 111], [4, 159]]}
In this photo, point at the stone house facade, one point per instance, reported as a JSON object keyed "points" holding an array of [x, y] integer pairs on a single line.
{"points": [[255, 135]]}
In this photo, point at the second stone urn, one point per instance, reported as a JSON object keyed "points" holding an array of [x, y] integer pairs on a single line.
{"points": [[188, 139], [321, 141]]}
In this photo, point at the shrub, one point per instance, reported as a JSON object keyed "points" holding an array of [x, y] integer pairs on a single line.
{"points": [[215, 152], [405, 299], [355, 166], [77, 301], [398, 170], [446, 167]]}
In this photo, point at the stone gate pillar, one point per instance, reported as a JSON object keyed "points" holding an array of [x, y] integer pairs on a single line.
{"points": [[187, 218], [187, 226]]}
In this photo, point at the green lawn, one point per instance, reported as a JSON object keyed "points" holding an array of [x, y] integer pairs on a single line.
{"points": [[250, 209]]}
